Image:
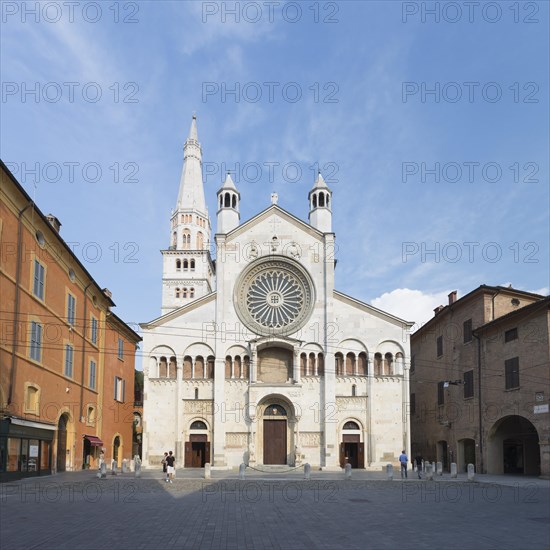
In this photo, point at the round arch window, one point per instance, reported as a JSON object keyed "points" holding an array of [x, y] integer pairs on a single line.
{"points": [[351, 426], [275, 410], [198, 425]]}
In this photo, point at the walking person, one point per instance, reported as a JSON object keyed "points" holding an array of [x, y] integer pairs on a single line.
{"points": [[164, 467], [170, 461], [418, 460], [403, 459]]}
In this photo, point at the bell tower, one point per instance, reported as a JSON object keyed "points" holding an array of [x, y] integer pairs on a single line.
{"points": [[228, 206], [188, 270]]}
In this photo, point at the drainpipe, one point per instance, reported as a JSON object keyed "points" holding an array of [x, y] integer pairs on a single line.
{"points": [[84, 351], [479, 401], [16, 306]]}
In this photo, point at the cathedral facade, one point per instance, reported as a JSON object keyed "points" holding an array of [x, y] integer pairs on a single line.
{"points": [[256, 357]]}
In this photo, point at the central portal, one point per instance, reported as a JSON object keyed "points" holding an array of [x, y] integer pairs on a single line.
{"points": [[275, 435]]}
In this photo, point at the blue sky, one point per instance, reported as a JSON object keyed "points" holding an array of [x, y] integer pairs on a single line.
{"points": [[362, 69]]}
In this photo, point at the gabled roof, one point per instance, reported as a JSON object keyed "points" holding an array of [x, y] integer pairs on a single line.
{"points": [[367, 307], [264, 214], [171, 315]]}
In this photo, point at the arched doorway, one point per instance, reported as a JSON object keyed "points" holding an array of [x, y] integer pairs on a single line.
{"points": [[116, 448], [513, 447], [275, 434], [352, 450], [62, 443], [197, 449]]}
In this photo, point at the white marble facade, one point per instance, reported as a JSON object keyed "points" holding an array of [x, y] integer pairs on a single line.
{"points": [[257, 358]]}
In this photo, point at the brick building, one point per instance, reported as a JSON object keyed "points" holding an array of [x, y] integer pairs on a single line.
{"points": [[67, 361], [480, 383]]}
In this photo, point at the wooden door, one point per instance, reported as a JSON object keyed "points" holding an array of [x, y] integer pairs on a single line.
{"points": [[361, 455], [188, 454], [342, 455], [207, 454], [274, 441], [61, 449]]}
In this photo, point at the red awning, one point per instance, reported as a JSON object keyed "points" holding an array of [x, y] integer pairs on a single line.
{"points": [[94, 441]]}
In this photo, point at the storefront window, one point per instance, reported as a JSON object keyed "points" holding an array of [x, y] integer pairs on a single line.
{"points": [[32, 463], [45, 455], [24, 454], [14, 446]]}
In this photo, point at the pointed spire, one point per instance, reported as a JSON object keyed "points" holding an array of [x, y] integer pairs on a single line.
{"points": [[228, 183], [191, 191], [193, 134], [320, 182]]}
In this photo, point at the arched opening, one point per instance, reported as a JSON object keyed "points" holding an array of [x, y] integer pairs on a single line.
{"points": [[350, 364], [228, 367], [321, 199], [199, 367], [184, 293], [513, 447], [352, 450], [196, 393], [378, 364], [173, 367], [62, 449], [354, 391], [192, 264], [210, 366], [399, 363], [163, 368], [185, 265], [320, 364], [116, 449], [237, 372], [311, 367], [234, 201], [187, 368], [178, 265], [246, 366], [200, 240], [314, 201], [227, 200], [388, 364], [303, 364], [177, 292], [197, 448], [339, 364], [191, 293], [186, 238], [362, 364], [275, 434]]}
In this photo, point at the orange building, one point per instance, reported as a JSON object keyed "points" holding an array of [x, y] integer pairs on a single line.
{"points": [[66, 361]]}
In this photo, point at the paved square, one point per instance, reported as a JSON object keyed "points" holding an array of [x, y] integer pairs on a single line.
{"points": [[77, 511]]}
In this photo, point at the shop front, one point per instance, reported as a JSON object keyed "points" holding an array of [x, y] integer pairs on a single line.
{"points": [[25, 448]]}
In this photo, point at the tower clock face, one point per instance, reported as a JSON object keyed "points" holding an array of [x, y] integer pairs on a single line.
{"points": [[274, 295]]}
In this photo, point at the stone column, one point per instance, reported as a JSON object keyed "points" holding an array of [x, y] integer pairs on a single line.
{"points": [[254, 365], [296, 366]]}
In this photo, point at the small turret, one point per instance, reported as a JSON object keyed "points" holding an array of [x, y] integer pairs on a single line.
{"points": [[228, 206], [320, 204]]}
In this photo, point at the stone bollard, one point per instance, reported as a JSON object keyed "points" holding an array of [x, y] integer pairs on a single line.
{"points": [[137, 466], [471, 472], [207, 470], [242, 469], [125, 466], [103, 470], [307, 471], [132, 465], [439, 469], [428, 468], [347, 471], [113, 467], [389, 471], [434, 468], [454, 471]]}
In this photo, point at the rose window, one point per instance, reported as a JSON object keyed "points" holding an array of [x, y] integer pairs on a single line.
{"points": [[274, 299], [274, 295]]}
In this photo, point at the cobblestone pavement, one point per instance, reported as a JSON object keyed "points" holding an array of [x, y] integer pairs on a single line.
{"points": [[75, 510]]}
